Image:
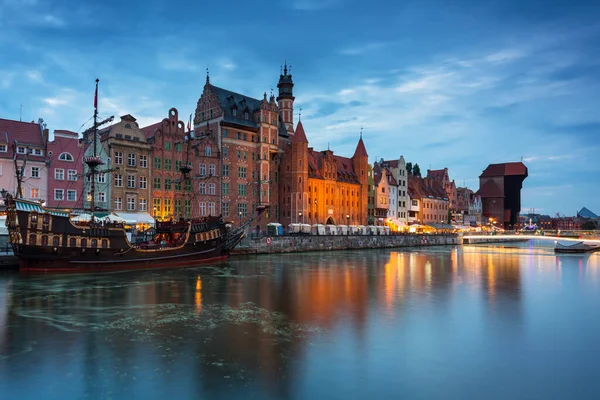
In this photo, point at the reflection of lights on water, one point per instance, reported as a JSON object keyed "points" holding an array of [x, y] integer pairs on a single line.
{"points": [[198, 295], [428, 274]]}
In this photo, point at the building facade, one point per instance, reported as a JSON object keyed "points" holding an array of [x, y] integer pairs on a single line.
{"points": [[383, 183], [319, 187], [171, 194], [443, 178], [102, 182], [65, 166], [128, 172], [500, 190], [24, 143], [371, 197], [261, 161], [399, 172], [434, 204]]}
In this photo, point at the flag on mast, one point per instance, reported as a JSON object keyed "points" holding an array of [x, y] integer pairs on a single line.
{"points": [[96, 96]]}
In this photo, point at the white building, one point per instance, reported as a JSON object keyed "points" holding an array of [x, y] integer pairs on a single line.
{"points": [[398, 170]]}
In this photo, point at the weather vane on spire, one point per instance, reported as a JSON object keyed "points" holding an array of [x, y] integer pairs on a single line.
{"points": [[207, 75], [361, 129], [300, 114]]}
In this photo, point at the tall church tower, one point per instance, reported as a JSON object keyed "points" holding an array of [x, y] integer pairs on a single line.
{"points": [[299, 175], [360, 161], [285, 100]]}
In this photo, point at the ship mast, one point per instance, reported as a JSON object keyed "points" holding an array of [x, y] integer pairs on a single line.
{"points": [[94, 161]]}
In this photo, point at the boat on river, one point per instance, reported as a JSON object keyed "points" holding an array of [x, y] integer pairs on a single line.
{"points": [[46, 240], [576, 247]]}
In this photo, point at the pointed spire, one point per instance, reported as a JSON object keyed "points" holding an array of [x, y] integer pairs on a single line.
{"points": [[299, 136], [360, 151], [265, 96], [300, 114], [285, 67]]}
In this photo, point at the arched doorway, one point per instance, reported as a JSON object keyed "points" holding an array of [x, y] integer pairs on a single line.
{"points": [[330, 221]]}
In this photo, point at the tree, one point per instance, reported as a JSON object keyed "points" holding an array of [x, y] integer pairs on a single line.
{"points": [[588, 226], [417, 170], [409, 168]]}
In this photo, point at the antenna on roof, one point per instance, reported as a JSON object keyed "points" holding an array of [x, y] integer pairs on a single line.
{"points": [[21, 114]]}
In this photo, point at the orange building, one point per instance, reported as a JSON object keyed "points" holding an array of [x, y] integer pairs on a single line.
{"points": [[320, 187]]}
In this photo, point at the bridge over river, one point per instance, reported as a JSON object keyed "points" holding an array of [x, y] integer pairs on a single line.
{"points": [[471, 238]]}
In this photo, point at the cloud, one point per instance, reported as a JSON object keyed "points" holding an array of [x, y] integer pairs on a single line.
{"points": [[311, 5], [360, 50], [34, 75], [53, 20]]}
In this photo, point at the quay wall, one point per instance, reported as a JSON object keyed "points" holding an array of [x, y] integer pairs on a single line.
{"points": [[492, 239], [294, 244]]}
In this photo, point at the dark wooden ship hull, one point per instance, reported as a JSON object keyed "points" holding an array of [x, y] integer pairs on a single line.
{"points": [[47, 242], [576, 248]]}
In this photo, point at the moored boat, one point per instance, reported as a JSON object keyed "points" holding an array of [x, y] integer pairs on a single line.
{"points": [[575, 247], [48, 241]]}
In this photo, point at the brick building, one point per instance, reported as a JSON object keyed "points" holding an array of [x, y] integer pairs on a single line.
{"points": [[320, 187], [171, 195], [432, 199], [442, 177], [260, 161]]}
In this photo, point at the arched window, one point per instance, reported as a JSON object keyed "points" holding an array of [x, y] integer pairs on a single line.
{"points": [[73, 242], [56, 241], [208, 151], [44, 240], [84, 243], [104, 243], [94, 243], [66, 157], [32, 239]]}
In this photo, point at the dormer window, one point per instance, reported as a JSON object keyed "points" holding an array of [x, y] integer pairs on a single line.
{"points": [[66, 157], [234, 112], [128, 126], [246, 115], [20, 150]]}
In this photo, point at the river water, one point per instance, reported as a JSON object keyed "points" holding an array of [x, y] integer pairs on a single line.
{"points": [[473, 322]]}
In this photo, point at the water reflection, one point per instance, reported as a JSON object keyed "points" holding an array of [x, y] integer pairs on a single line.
{"points": [[266, 327]]}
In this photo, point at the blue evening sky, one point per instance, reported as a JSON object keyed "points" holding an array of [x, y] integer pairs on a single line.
{"points": [[446, 83]]}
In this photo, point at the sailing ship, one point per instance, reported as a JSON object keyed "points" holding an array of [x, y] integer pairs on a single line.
{"points": [[47, 241]]}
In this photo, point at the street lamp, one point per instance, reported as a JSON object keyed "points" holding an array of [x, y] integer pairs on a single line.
{"points": [[300, 217], [348, 223], [154, 212], [240, 214]]}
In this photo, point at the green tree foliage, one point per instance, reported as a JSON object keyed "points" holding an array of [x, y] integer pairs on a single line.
{"points": [[588, 226], [409, 168], [417, 170]]}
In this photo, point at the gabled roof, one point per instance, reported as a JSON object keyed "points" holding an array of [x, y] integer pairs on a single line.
{"points": [[150, 130], [360, 151], [505, 169], [437, 174], [586, 213], [231, 100], [490, 189], [299, 136], [25, 133]]}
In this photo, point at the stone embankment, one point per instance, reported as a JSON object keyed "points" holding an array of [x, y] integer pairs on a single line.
{"points": [[293, 244]]}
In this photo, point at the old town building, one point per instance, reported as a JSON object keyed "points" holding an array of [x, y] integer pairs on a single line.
{"points": [[129, 154], [384, 182], [261, 160], [25, 144], [433, 201], [102, 181], [371, 197], [320, 187], [242, 139], [65, 165], [442, 177], [500, 190], [172, 195], [399, 172]]}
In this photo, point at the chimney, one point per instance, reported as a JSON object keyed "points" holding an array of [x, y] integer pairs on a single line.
{"points": [[45, 135]]}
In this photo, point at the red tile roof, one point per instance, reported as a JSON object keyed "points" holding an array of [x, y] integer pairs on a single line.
{"points": [[437, 174], [505, 169], [299, 136], [150, 130], [25, 133], [360, 151]]}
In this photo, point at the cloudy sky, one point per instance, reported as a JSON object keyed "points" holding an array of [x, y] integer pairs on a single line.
{"points": [[446, 83]]}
